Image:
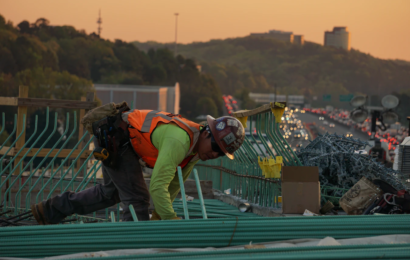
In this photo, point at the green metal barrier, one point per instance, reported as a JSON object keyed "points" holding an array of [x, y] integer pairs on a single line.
{"points": [[32, 180], [27, 182], [244, 176]]}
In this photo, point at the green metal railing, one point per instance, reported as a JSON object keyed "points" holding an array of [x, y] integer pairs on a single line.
{"points": [[247, 175], [30, 181], [253, 175], [39, 176], [250, 176]]}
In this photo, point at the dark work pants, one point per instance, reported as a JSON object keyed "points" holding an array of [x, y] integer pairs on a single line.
{"points": [[124, 184]]}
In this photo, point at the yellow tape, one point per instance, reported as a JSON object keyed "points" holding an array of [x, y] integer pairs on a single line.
{"points": [[270, 167], [278, 166], [260, 162], [279, 105], [243, 120], [276, 171], [279, 159], [278, 113], [271, 161]]}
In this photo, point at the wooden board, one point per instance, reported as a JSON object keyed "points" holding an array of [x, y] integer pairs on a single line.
{"points": [[89, 98], [258, 110], [262, 109], [8, 101], [21, 122], [56, 103], [64, 153]]}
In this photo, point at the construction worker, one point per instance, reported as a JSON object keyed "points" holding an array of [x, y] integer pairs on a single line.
{"points": [[162, 141]]}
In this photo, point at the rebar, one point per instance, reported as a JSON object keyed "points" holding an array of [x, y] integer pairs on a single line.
{"points": [[340, 167], [42, 241]]}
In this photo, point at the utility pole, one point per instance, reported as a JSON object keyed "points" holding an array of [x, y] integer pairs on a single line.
{"points": [[176, 32], [99, 21]]}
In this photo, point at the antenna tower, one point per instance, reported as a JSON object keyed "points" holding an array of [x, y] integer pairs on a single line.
{"points": [[99, 21]]}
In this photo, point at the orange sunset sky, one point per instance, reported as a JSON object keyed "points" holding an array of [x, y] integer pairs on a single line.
{"points": [[381, 28]]}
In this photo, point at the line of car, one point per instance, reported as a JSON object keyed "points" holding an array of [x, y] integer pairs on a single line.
{"points": [[231, 104]]}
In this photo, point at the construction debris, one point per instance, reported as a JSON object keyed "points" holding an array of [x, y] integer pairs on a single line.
{"points": [[339, 165], [326, 208]]}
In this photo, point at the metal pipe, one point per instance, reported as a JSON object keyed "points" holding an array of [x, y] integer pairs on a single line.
{"points": [[55, 157], [112, 215], [181, 184], [201, 199], [134, 216]]}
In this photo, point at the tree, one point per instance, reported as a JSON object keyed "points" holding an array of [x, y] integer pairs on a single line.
{"points": [[245, 101], [62, 62], [24, 27], [206, 106], [238, 62], [7, 62]]}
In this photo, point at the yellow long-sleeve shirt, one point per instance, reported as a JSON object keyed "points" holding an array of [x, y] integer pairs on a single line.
{"points": [[173, 144]]}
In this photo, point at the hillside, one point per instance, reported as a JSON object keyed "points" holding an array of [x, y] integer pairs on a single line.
{"points": [[43, 56], [257, 63]]}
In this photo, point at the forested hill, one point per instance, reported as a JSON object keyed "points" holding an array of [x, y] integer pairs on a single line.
{"points": [[257, 63], [42, 56]]}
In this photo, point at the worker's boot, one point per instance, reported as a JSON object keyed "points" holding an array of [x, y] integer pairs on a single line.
{"points": [[38, 213], [155, 216]]}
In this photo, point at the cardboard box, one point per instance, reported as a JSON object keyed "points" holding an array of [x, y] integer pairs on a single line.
{"points": [[300, 189]]}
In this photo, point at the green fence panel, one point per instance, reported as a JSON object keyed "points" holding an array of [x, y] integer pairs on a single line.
{"points": [[30, 181]]}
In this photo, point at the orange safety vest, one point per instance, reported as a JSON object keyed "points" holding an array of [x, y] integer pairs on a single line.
{"points": [[142, 124]]}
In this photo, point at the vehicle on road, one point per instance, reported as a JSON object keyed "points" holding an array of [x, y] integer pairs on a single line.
{"points": [[325, 122], [332, 125], [259, 146], [299, 134], [321, 118], [349, 134]]}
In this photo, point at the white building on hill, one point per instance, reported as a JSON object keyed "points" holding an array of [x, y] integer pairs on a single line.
{"points": [[339, 38], [162, 98]]}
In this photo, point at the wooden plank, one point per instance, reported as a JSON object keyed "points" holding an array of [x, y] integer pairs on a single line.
{"points": [[89, 98], [8, 101], [56, 103], [80, 133], [21, 124], [4, 150], [64, 153], [258, 110], [262, 109]]}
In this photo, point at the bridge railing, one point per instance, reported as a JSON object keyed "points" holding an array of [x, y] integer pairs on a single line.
{"points": [[29, 175], [44, 162], [254, 174]]}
